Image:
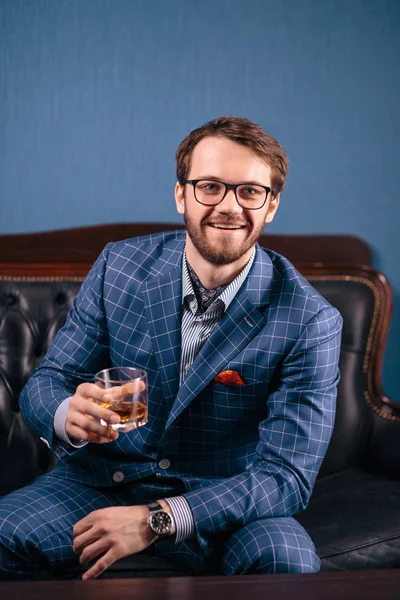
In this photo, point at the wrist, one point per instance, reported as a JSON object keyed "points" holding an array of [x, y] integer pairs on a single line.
{"points": [[140, 519]]}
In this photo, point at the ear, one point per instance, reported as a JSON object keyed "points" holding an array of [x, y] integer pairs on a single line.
{"points": [[272, 208], [179, 198]]}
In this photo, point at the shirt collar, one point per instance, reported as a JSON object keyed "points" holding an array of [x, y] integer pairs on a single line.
{"points": [[227, 295]]}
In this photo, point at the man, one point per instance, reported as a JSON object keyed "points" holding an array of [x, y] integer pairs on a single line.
{"points": [[241, 355]]}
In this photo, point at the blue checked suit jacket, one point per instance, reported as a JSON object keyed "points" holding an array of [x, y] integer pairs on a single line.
{"points": [[242, 453]]}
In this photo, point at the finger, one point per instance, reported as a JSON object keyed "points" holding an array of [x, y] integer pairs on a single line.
{"points": [[84, 538], [127, 389], [82, 526], [94, 438], [81, 434], [91, 408], [90, 391], [91, 425], [100, 566], [93, 550]]}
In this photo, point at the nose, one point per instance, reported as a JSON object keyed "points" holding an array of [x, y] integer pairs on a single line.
{"points": [[229, 204]]}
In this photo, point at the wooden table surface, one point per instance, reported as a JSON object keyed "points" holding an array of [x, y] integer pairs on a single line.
{"points": [[364, 585]]}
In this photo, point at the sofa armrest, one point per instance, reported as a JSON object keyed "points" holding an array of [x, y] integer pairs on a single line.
{"points": [[383, 449]]}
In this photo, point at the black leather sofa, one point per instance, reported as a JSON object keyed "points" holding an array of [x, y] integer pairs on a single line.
{"points": [[354, 513]]}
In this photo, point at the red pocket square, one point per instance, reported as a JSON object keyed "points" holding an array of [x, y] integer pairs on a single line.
{"points": [[229, 378]]}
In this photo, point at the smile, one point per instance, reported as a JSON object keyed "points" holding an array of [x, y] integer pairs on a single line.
{"points": [[217, 226]]}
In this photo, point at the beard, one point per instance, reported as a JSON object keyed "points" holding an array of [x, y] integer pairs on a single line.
{"points": [[228, 250]]}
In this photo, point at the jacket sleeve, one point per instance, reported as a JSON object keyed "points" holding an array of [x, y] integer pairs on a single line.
{"points": [[80, 349], [293, 439]]}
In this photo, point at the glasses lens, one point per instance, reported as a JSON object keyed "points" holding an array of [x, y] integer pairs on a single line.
{"points": [[209, 192], [251, 196]]}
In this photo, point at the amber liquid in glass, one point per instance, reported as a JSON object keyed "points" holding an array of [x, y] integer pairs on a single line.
{"points": [[132, 414], [127, 410]]}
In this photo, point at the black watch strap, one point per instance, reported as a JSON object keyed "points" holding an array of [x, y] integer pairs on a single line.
{"points": [[153, 506]]}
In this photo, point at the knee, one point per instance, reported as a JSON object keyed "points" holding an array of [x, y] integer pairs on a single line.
{"points": [[27, 548], [19, 551], [14, 526], [270, 546], [23, 530], [8, 529]]}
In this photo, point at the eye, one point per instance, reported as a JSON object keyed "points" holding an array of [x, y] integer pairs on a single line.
{"points": [[248, 192], [210, 187]]}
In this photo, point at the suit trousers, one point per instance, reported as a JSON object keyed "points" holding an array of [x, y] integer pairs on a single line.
{"points": [[36, 537]]}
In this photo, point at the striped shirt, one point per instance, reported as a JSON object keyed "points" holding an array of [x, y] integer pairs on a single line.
{"points": [[196, 327]]}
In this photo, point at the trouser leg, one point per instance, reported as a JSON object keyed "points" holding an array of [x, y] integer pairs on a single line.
{"points": [[279, 545], [36, 525], [36, 537]]}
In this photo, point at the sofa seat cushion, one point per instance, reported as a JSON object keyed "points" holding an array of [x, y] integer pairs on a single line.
{"points": [[353, 519]]}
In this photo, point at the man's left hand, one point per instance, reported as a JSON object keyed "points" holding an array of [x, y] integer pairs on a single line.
{"points": [[113, 532]]}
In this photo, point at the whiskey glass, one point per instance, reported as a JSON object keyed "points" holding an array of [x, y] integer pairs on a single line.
{"points": [[127, 396]]}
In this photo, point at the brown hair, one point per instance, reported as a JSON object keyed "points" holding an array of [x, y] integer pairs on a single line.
{"points": [[243, 132]]}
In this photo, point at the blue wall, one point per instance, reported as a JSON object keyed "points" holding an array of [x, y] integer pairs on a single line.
{"points": [[95, 96]]}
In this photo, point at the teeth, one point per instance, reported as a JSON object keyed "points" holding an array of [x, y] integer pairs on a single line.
{"points": [[225, 226]]}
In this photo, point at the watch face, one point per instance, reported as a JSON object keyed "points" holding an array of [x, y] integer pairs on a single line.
{"points": [[160, 522]]}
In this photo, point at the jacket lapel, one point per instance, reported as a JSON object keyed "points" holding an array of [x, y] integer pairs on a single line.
{"points": [[162, 294], [241, 322]]}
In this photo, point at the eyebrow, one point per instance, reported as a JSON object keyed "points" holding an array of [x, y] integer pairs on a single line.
{"points": [[213, 178]]}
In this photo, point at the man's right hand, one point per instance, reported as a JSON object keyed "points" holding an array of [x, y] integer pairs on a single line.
{"points": [[84, 414]]}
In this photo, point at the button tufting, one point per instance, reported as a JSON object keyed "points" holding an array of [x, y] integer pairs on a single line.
{"points": [[61, 298], [11, 299]]}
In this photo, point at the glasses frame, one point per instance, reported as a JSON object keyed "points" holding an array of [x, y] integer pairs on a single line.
{"points": [[228, 186]]}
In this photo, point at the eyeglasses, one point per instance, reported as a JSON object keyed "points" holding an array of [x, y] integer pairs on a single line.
{"points": [[211, 192]]}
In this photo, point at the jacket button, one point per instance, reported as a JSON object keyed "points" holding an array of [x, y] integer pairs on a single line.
{"points": [[118, 476], [164, 463]]}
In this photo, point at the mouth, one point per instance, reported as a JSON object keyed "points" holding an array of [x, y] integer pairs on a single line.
{"points": [[227, 226]]}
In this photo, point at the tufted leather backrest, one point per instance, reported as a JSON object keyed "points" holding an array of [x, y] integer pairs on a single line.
{"points": [[32, 309], [355, 299]]}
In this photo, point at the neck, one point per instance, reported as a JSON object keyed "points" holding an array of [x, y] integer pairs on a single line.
{"points": [[211, 275]]}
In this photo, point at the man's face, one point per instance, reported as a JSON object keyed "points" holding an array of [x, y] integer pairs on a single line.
{"points": [[230, 162]]}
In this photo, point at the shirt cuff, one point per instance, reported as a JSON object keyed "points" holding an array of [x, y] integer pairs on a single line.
{"points": [[60, 418], [183, 517]]}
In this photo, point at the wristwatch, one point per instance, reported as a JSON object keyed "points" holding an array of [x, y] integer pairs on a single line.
{"points": [[160, 522]]}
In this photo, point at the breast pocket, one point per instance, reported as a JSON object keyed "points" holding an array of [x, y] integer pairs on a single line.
{"points": [[249, 394], [240, 408]]}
